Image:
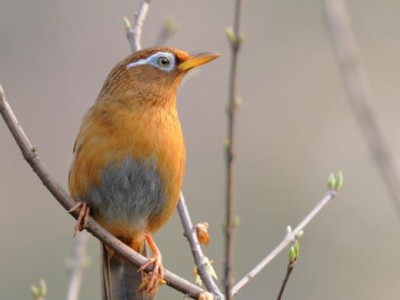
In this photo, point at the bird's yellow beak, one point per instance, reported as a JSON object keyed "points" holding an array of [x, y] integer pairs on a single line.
{"points": [[197, 60]]}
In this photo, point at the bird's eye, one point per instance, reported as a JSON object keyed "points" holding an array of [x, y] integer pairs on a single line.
{"points": [[163, 61]]}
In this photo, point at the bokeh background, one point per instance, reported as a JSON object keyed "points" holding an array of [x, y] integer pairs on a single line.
{"points": [[294, 127]]}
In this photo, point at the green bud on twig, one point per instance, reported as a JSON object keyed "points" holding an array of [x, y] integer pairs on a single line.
{"points": [[339, 180], [299, 235], [233, 38], [238, 102], [127, 24], [331, 181], [294, 252], [227, 144], [335, 182], [35, 291], [39, 292], [230, 34], [236, 221], [170, 26], [43, 287]]}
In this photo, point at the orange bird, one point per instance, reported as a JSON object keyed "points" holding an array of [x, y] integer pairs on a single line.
{"points": [[129, 162]]}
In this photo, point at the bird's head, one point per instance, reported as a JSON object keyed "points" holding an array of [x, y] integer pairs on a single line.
{"points": [[153, 74]]}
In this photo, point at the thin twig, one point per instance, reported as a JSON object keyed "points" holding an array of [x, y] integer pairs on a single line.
{"points": [[356, 81], [289, 271], [76, 265], [201, 261], [289, 238], [235, 43], [134, 33], [31, 156]]}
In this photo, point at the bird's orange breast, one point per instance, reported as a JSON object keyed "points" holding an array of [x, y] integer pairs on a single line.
{"points": [[129, 165]]}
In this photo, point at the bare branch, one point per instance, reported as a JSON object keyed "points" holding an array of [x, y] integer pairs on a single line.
{"points": [[356, 81], [201, 261], [31, 156], [293, 256], [134, 33], [289, 271], [235, 41], [289, 238], [76, 265]]}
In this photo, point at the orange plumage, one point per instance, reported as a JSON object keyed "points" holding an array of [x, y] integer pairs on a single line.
{"points": [[129, 155]]}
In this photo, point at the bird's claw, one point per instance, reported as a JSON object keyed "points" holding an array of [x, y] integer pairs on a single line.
{"points": [[84, 212], [151, 280]]}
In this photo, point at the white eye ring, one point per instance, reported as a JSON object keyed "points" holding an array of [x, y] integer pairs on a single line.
{"points": [[164, 61]]}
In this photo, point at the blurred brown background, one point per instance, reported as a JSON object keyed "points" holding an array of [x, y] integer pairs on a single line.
{"points": [[295, 126]]}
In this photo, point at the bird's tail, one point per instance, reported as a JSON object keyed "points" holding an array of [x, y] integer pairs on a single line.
{"points": [[120, 277]]}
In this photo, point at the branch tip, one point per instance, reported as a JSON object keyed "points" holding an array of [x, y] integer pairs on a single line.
{"points": [[39, 292], [170, 26], [294, 252], [291, 237], [335, 182], [127, 24]]}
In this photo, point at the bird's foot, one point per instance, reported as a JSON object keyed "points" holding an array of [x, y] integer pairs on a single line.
{"points": [[84, 212], [151, 280]]}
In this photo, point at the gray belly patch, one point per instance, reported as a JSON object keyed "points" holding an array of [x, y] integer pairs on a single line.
{"points": [[128, 193]]}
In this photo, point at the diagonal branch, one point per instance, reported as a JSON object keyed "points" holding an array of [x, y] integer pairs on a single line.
{"points": [[31, 156], [290, 237], [201, 261], [356, 81]]}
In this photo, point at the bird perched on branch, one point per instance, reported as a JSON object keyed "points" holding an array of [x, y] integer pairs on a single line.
{"points": [[129, 160]]}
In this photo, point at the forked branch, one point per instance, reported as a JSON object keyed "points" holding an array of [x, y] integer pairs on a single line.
{"points": [[134, 33], [291, 236]]}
